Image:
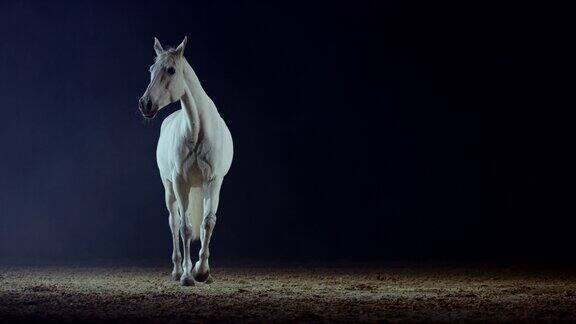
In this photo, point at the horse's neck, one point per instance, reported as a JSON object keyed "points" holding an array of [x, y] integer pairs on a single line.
{"points": [[194, 84], [194, 102]]}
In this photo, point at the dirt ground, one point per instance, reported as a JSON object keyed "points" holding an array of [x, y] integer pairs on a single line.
{"points": [[288, 292]]}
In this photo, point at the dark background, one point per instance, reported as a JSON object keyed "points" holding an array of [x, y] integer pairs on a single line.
{"points": [[361, 130]]}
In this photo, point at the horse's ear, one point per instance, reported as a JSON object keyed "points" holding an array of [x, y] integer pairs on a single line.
{"points": [[157, 46], [181, 47]]}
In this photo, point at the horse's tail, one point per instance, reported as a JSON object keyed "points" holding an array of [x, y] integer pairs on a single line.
{"points": [[195, 211]]}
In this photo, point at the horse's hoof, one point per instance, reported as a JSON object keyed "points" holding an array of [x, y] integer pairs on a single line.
{"points": [[201, 277], [175, 276], [187, 281], [209, 280]]}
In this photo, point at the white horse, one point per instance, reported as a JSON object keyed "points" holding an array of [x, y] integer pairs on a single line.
{"points": [[194, 154]]}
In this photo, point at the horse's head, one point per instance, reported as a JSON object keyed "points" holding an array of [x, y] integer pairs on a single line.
{"points": [[166, 79]]}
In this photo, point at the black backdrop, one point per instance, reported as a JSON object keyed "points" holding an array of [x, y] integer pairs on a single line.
{"points": [[361, 130]]}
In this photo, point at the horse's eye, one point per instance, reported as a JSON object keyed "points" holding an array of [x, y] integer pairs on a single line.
{"points": [[171, 70]]}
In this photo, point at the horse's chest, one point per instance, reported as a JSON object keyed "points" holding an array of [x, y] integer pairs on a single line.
{"points": [[175, 156], [193, 171]]}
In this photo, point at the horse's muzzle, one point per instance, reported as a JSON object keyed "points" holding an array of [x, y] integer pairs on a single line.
{"points": [[147, 108]]}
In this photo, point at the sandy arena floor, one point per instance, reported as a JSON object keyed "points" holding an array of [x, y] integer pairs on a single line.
{"points": [[289, 292]]}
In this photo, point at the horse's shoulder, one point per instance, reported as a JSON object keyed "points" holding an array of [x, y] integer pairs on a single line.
{"points": [[170, 119]]}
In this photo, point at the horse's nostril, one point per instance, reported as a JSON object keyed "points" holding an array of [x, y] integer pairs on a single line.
{"points": [[149, 105]]}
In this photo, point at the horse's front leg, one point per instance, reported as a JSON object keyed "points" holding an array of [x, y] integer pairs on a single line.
{"points": [[174, 221], [181, 191], [211, 191]]}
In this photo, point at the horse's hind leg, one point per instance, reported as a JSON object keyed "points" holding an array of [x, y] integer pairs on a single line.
{"points": [[174, 221], [211, 197]]}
